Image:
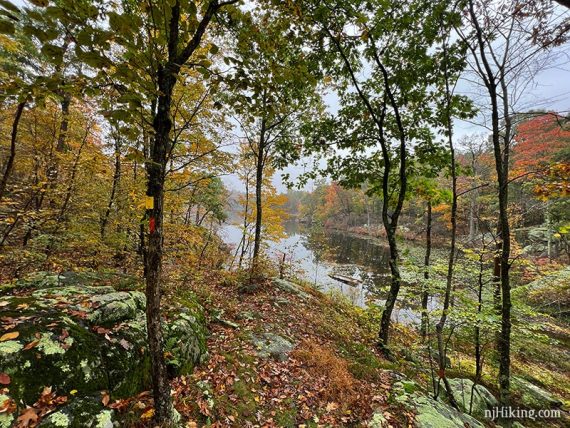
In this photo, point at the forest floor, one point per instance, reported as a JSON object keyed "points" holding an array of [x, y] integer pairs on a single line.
{"points": [[333, 376]]}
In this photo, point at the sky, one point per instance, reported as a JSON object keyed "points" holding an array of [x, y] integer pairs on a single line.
{"points": [[550, 91]]}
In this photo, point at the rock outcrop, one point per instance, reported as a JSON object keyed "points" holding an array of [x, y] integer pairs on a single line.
{"points": [[80, 339]]}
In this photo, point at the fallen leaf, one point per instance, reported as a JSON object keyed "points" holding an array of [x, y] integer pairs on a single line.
{"points": [[126, 345], [105, 398], [8, 406], [9, 336], [4, 303], [101, 330], [148, 414], [331, 407], [28, 416], [31, 345], [5, 379], [23, 306]]}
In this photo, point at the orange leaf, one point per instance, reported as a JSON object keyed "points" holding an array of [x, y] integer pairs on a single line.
{"points": [[31, 345], [105, 398], [9, 336], [28, 416]]}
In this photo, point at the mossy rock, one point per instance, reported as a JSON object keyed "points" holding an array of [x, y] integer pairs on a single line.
{"points": [[534, 396], [430, 413], [89, 338], [272, 345], [463, 390], [290, 287], [85, 412]]}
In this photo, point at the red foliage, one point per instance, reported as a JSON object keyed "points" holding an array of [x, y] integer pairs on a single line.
{"points": [[537, 142]]}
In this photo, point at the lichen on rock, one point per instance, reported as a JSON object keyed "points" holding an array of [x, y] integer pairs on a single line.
{"points": [[89, 338]]}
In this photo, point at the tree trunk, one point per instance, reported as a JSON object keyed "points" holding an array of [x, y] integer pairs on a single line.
{"points": [[61, 140], [259, 164], [394, 287], [12, 156], [156, 169], [114, 187], [425, 292], [447, 302]]}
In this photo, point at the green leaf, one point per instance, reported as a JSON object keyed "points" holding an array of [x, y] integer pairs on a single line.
{"points": [[53, 52], [40, 3], [9, 6], [7, 27]]}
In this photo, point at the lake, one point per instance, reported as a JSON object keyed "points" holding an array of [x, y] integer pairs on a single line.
{"points": [[314, 254]]}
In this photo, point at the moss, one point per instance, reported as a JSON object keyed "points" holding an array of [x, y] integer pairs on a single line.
{"points": [[104, 419], [287, 418], [58, 419], [362, 362], [6, 419], [49, 346], [10, 347]]}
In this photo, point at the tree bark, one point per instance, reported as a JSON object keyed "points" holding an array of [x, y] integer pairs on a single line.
{"points": [[425, 292], [259, 164], [114, 187], [12, 156], [447, 302], [156, 168]]}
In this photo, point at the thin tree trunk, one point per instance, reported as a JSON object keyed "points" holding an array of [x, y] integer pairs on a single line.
{"points": [[62, 138], [451, 261], [492, 82], [259, 164], [156, 168], [114, 187], [12, 156], [477, 332], [425, 292]]}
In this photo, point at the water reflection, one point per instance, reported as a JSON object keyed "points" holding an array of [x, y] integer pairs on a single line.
{"points": [[315, 253]]}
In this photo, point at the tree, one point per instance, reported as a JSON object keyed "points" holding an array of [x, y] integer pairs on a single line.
{"points": [[500, 39], [272, 91], [391, 107]]}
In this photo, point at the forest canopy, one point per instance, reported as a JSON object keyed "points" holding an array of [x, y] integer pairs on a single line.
{"points": [[358, 209]]}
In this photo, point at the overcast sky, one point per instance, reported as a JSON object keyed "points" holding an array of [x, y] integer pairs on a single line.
{"points": [[550, 91]]}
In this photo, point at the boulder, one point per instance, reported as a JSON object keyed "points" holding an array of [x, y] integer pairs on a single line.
{"points": [[290, 287], [87, 339], [482, 398], [430, 413], [81, 412], [272, 345], [534, 396]]}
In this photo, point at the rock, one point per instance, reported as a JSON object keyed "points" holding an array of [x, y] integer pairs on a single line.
{"points": [[246, 316], [6, 419], [429, 412], [534, 396], [482, 397], [290, 287], [88, 338], [272, 345], [377, 421], [82, 412]]}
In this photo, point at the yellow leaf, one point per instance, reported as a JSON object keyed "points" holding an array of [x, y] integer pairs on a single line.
{"points": [[149, 202], [148, 414], [73, 392], [9, 336]]}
